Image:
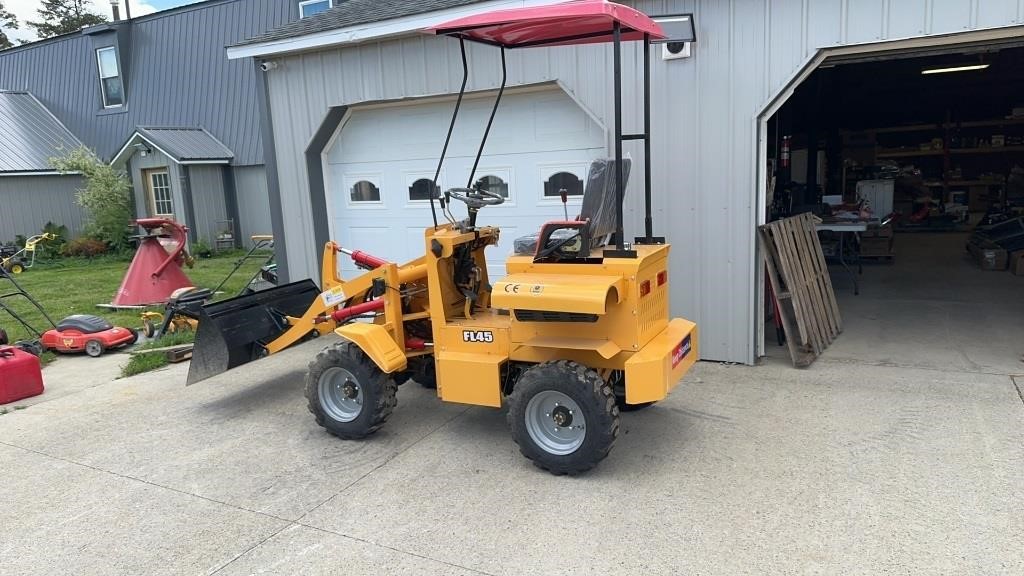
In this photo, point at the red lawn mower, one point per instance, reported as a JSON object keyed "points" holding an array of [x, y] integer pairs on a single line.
{"points": [[76, 333]]}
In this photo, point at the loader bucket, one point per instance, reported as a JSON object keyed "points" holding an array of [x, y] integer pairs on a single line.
{"points": [[233, 332]]}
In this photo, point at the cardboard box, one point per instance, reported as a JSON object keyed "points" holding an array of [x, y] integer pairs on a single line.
{"points": [[1017, 263], [989, 257], [977, 198], [877, 232]]}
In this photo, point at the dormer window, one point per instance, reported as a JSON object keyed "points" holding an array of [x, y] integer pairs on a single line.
{"points": [[310, 7], [111, 88]]}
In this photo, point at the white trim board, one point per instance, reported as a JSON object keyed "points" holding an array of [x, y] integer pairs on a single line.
{"points": [[375, 30]]}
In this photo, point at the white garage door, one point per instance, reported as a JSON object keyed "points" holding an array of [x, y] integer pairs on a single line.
{"points": [[380, 165]]}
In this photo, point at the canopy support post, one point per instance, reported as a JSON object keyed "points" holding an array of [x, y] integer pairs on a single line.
{"points": [[451, 127], [620, 191], [487, 131]]}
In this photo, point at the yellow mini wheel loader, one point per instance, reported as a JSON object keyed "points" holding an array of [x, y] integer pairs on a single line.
{"points": [[577, 330]]}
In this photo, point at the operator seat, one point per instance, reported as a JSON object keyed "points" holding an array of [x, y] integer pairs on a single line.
{"points": [[595, 224]]}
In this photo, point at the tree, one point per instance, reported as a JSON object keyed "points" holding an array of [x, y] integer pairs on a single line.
{"points": [[106, 196], [63, 16], [7, 20]]}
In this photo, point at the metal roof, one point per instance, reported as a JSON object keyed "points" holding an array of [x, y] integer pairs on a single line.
{"points": [[31, 134], [354, 12], [185, 144]]}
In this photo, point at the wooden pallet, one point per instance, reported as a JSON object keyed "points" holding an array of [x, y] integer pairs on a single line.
{"points": [[803, 288]]}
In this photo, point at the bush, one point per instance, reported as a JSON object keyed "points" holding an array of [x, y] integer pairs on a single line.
{"points": [[106, 196], [202, 249], [85, 247]]}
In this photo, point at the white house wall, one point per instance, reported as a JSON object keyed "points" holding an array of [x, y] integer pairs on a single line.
{"points": [[704, 122]]}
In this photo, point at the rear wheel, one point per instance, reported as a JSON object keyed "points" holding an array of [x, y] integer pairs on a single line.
{"points": [[148, 328], [563, 417], [17, 268], [347, 393], [94, 348]]}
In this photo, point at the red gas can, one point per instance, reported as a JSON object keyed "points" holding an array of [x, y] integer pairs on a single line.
{"points": [[20, 375]]}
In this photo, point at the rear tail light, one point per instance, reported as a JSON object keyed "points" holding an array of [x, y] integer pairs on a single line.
{"points": [[645, 288], [662, 277]]}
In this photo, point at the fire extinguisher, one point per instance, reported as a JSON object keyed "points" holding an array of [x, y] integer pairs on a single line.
{"points": [[784, 154]]}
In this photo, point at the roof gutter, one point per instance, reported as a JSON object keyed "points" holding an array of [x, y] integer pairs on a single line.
{"points": [[375, 30]]}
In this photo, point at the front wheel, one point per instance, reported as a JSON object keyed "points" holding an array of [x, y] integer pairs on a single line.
{"points": [[563, 417], [347, 393], [94, 348], [17, 268]]}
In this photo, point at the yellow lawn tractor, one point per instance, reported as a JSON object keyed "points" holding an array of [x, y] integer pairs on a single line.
{"points": [[577, 330]]}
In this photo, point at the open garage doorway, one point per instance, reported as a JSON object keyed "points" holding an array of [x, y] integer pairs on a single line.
{"points": [[926, 148]]}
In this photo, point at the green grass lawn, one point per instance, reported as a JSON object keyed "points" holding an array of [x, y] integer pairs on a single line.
{"points": [[75, 286]]}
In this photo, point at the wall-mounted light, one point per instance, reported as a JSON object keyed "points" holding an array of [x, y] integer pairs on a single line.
{"points": [[680, 33], [966, 68], [142, 149]]}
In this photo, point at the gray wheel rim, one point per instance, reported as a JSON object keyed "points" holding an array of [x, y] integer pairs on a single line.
{"points": [[93, 348], [341, 396], [546, 424]]}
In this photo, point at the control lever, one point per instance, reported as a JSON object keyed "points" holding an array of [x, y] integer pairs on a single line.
{"points": [[565, 201]]}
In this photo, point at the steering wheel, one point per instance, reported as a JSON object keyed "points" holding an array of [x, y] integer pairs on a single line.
{"points": [[475, 198]]}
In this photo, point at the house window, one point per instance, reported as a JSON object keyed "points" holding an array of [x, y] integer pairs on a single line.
{"points": [[567, 180], [160, 192], [420, 189], [310, 7], [110, 77], [365, 191], [493, 184]]}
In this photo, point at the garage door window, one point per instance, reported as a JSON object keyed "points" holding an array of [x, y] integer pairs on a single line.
{"points": [[493, 184], [563, 180], [420, 190], [365, 191]]}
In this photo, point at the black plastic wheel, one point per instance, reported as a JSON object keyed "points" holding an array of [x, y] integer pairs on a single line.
{"points": [[148, 328], [563, 417], [347, 393]]}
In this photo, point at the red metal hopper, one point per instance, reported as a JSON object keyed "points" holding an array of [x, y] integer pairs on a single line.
{"points": [[154, 272]]}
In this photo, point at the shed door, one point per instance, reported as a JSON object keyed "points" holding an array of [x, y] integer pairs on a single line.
{"points": [[380, 165]]}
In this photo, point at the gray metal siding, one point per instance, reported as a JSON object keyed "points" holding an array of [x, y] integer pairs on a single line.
{"points": [[178, 75], [208, 201], [253, 201], [29, 202], [704, 133]]}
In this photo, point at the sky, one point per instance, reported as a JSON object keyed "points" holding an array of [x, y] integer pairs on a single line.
{"points": [[26, 10]]}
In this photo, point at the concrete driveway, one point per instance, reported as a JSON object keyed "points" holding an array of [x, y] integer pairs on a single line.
{"points": [[844, 468]]}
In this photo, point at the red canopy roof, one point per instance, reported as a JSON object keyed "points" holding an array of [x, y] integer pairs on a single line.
{"points": [[576, 22]]}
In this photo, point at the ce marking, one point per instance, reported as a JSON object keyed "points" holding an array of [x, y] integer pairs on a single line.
{"points": [[512, 288]]}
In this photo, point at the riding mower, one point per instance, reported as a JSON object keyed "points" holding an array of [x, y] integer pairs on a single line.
{"points": [[578, 330]]}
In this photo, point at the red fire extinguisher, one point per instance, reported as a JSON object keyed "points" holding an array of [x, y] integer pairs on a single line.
{"points": [[784, 154]]}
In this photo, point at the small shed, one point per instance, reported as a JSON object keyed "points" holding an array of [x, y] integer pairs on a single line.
{"points": [[185, 173], [32, 193]]}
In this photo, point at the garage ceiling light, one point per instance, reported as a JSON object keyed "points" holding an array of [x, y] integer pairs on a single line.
{"points": [[954, 69]]}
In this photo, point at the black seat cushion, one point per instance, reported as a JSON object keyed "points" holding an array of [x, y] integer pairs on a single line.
{"points": [[84, 323]]}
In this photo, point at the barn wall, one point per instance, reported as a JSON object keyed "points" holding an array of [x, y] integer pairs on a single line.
{"points": [[704, 129], [253, 202], [207, 185], [27, 203]]}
